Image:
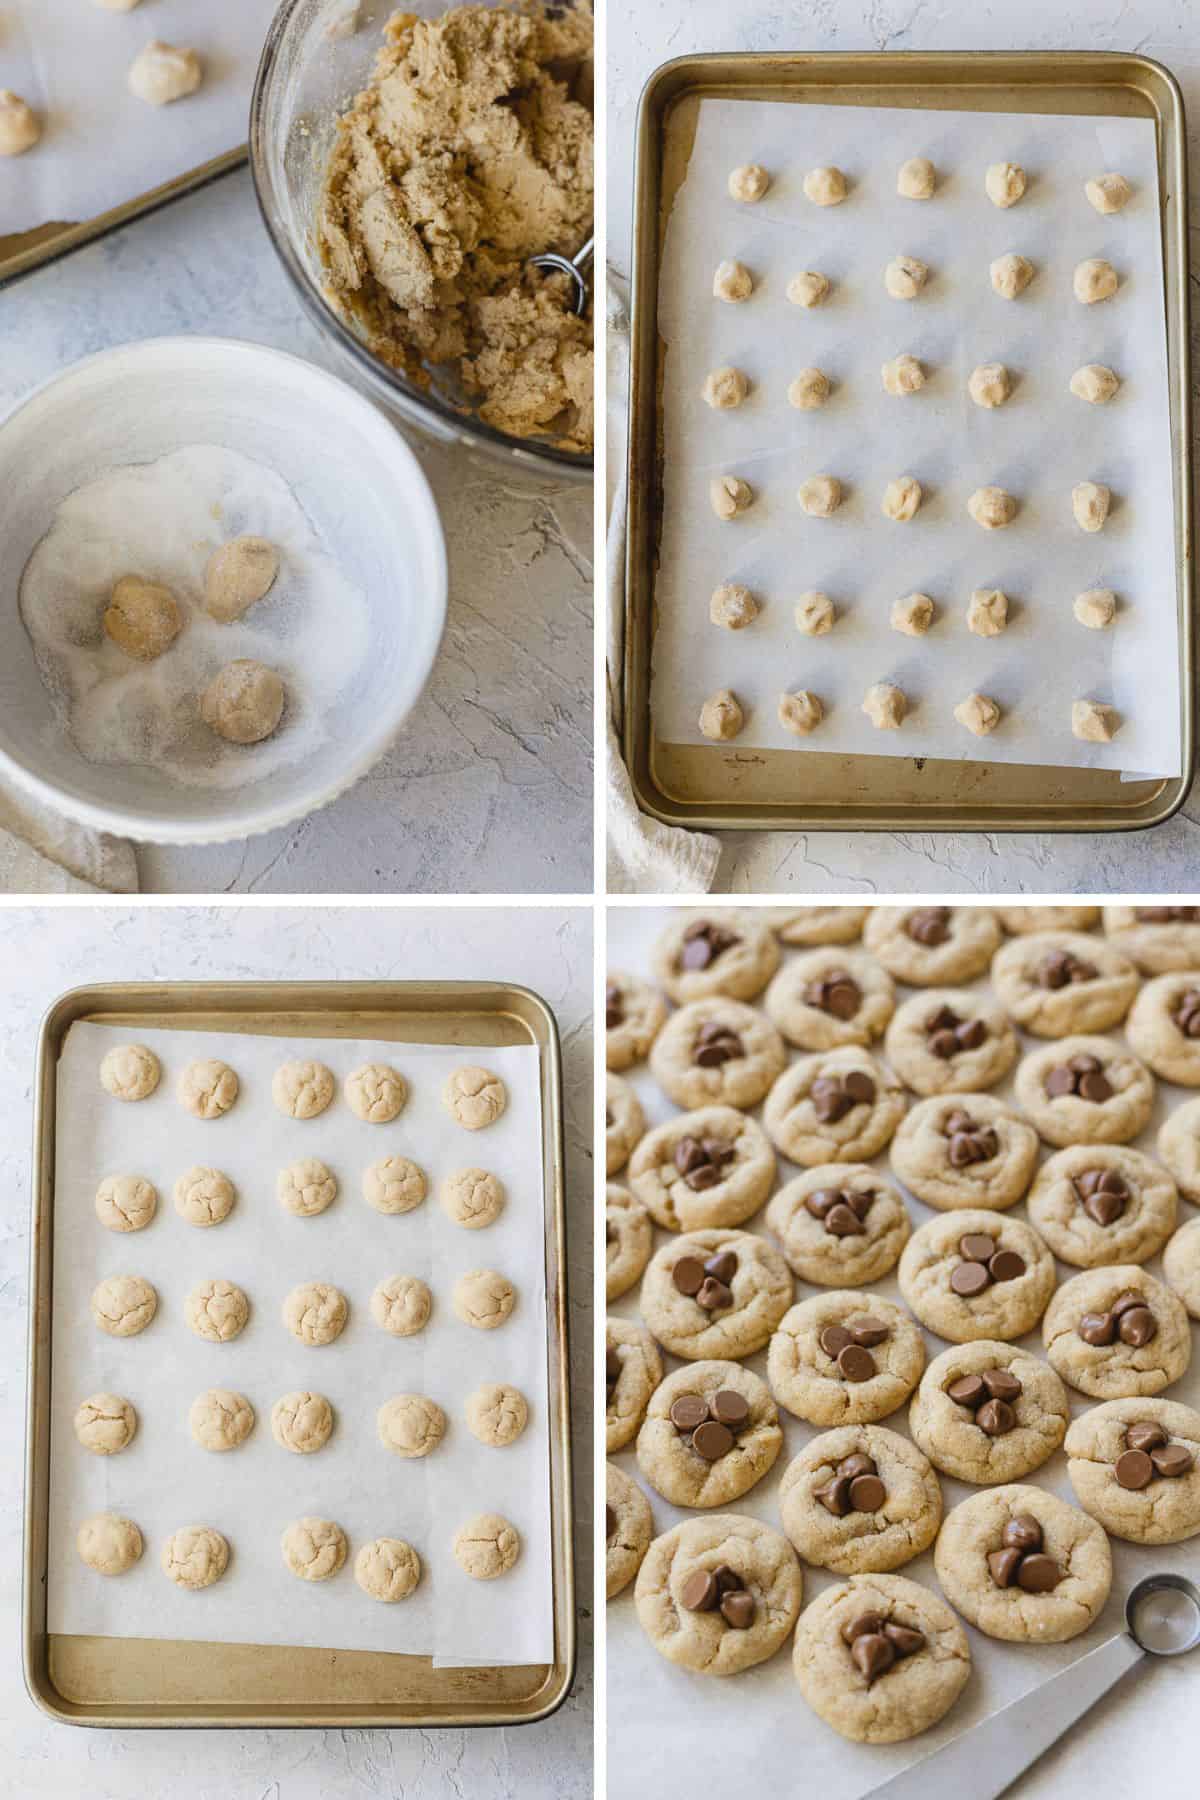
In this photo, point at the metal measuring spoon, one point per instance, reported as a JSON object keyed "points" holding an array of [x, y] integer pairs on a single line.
{"points": [[1163, 1617], [576, 267]]}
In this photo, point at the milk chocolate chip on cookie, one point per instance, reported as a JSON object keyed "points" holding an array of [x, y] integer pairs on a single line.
{"points": [[860, 1498], [1059, 983], [1135, 1466], [1116, 1332], [844, 1358], [717, 1052], [711, 1432], [829, 997], [840, 1106], [932, 946], [986, 1412], [1023, 1565], [1085, 1090], [719, 1594], [1103, 1203], [972, 1275]]}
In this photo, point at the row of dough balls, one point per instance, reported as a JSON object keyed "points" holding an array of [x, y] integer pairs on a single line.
{"points": [[905, 277], [472, 1198], [989, 385], [302, 1089], [992, 508], [158, 74], [734, 607], [886, 705], [1004, 183], [315, 1312], [314, 1549]]}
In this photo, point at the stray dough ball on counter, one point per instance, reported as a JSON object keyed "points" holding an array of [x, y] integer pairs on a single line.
{"points": [[725, 388], [19, 127], [979, 713], [905, 276], [1011, 275], [1108, 193], [913, 614], [992, 508], [820, 495], [749, 182], [721, 717], [486, 1546], [825, 187], [732, 606], [238, 574], [1004, 183], [161, 73], [809, 390], [1095, 608], [142, 617], [243, 702], [800, 712], [815, 613], [387, 1569], [903, 375], [1094, 722], [917, 179], [987, 612], [732, 281], [990, 384], [901, 499], [1095, 384], [885, 705], [729, 495], [1095, 280], [808, 288], [1090, 501]]}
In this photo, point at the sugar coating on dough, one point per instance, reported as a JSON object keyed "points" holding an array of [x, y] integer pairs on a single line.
{"points": [[748, 182], [729, 495], [483, 1298], [105, 1424], [108, 1543], [217, 1310], [801, 712], [394, 1184], [126, 1202], [1095, 607], [142, 617], [885, 705], [243, 702], [1004, 183], [732, 606], [820, 496], [1090, 502], [472, 1198], [239, 573], [162, 72], [825, 186], [732, 281], [302, 1090], [486, 1547], [314, 1549], [992, 508], [410, 1425], [901, 499], [916, 179], [123, 1305], [815, 613], [903, 375], [725, 388], [220, 1419], [990, 384], [721, 716], [1095, 383], [912, 614], [401, 1305], [130, 1072], [979, 713], [497, 1414], [306, 1188], [376, 1092], [905, 276], [808, 288], [315, 1312], [1094, 280], [1094, 722], [1108, 193], [207, 1088], [987, 612], [1011, 275], [388, 1569], [19, 125], [809, 391], [204, 1196], [474, 1098], [301, 1422]]}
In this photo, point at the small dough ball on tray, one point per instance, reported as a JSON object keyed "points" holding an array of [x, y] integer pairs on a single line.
{"points": [[1004, 183], [732, 282], [748, 183], [917, 179], [725, 389], [825, 187], [721, 716], [990, 384]]}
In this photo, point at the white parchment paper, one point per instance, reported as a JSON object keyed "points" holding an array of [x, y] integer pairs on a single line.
{"points": [[164, 1480], [758, 1720], [1037, 446]]}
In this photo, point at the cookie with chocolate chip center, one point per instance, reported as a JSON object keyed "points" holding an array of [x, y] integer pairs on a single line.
{"points": [[717, 1052], [831, 996], [951, 1040], [1097, 1204], [840, 1224], [844, 1358], [988, 1412]]}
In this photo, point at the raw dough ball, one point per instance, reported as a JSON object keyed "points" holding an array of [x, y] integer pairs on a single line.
{"points": [[401, 1305], [721, 717], [1090, 501], [1095, 608], [749, 182], [473, 1198], [217, 1310], [1095, 384], [729, 495], [160, 73], [204, 1196], [885, 706], [904, 277], [1108, 193], [387, 1569], [732, 281], [992, 508], [917, 179], [474, 1098], [195, 1556], [314, 1549], [987, 612], [1011, 275], [809, 288], [497, 1414], [238, 574], [220, 1419], [376, 1092], [1004, 183], [394, 1185], [315, 1312], [109, 1544], [809, 390], [126, 1202], [301, 1422], [142, 617], [990, 384], [19, 127], [105, 1424], [901, 499], [243, 702], [1095, 280], [820, 496], [306, 1187], [130, 1072], [978, 713], [1095, 723], [903, 375], [800, 712], [725, 388], [123, 1305], [301, 1090], [410, 1425], [207, 1088], [484, 1299], [913, 615], [825, 187], [815, 613], [732, 606], [486, 1546]]}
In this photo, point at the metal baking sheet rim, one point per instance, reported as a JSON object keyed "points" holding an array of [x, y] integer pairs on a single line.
{"points": [[308, 1008], [885, 793]]}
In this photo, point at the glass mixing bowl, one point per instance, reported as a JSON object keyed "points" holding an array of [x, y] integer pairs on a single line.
{"points": [[308, 73]]}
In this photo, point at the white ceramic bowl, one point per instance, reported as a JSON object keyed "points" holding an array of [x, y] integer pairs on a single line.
{"points": [[353, 474]]}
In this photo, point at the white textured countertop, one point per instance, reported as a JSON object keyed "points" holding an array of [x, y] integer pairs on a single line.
{"points": [[46, 951], [488, 789], [639, 39]]}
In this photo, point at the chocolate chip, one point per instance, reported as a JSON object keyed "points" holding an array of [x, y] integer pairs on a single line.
{"points": [[857, 1464], [944, 1019], [703, 942], [1104, 1207], [1172, 1460], [688, 1275], [928, 925], [712, 1440], [1002, 1384], [858, 1087], [958, 1120], [698, 1592], [856, 1364], [1060, 969], [1124, 1302], [1167, 915], [612, 1371], [968, 1279], [836, 993], [1038, 1574], [729, 1407], [977, 1246], [1095, 1087], [968, 1390], [737, 1609], [1137, 1326], [823, 1201], [728, 1580], [943, 1044], [1006, 1265], [867, 1493], [859, 1201], [1187, 1013], [869, 1332], [1097, 1328], [1083, 1062], [716, 1045], [1022, 1532], [905, 1638], [722, 1266], [688, 1411], [614, 1006], [1145, 1436], [872, 1622], [1003, 1565], [841, 1221], [610, 1523], [995, 1417], [835, 1496], [971, 1034], [1059, 1082], [833, 1340], [829, 1101], [873, 1653], [713, 1295], [1133, 1469]]}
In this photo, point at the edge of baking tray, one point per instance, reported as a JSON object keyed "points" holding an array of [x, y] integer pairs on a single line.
{"points": [[644, 445], [315, 998]]}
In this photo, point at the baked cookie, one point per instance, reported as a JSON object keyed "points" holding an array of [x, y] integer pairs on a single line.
{"points": [[705, 1168], [715, 1294], [710, 1433], [624, 1123], [880, 1658], [840, 1224], [974, 1275], [844, 1358], [130, 1072], [1179, 1147], [634, 1014], [1021, 919], [820, 924], [1164, 1027], [126, 1202], [1023, 1565], [722, 952], [988, 1412], [961, 1150], [1181, 1265], [628, 1528], [839, 1106], [1103, 1203], [860, 1499], [1156, 938], [951, 1040], [1135, 1466], [1117, 1332], [718, 1595], [1085, 1090], [1057, 983], [628, 1240], [831, 996], [932, 946], [632, 1371], [717, 1052]]}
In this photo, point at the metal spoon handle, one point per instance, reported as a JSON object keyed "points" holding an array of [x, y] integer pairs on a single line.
{"points": [[987, 1759]]}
